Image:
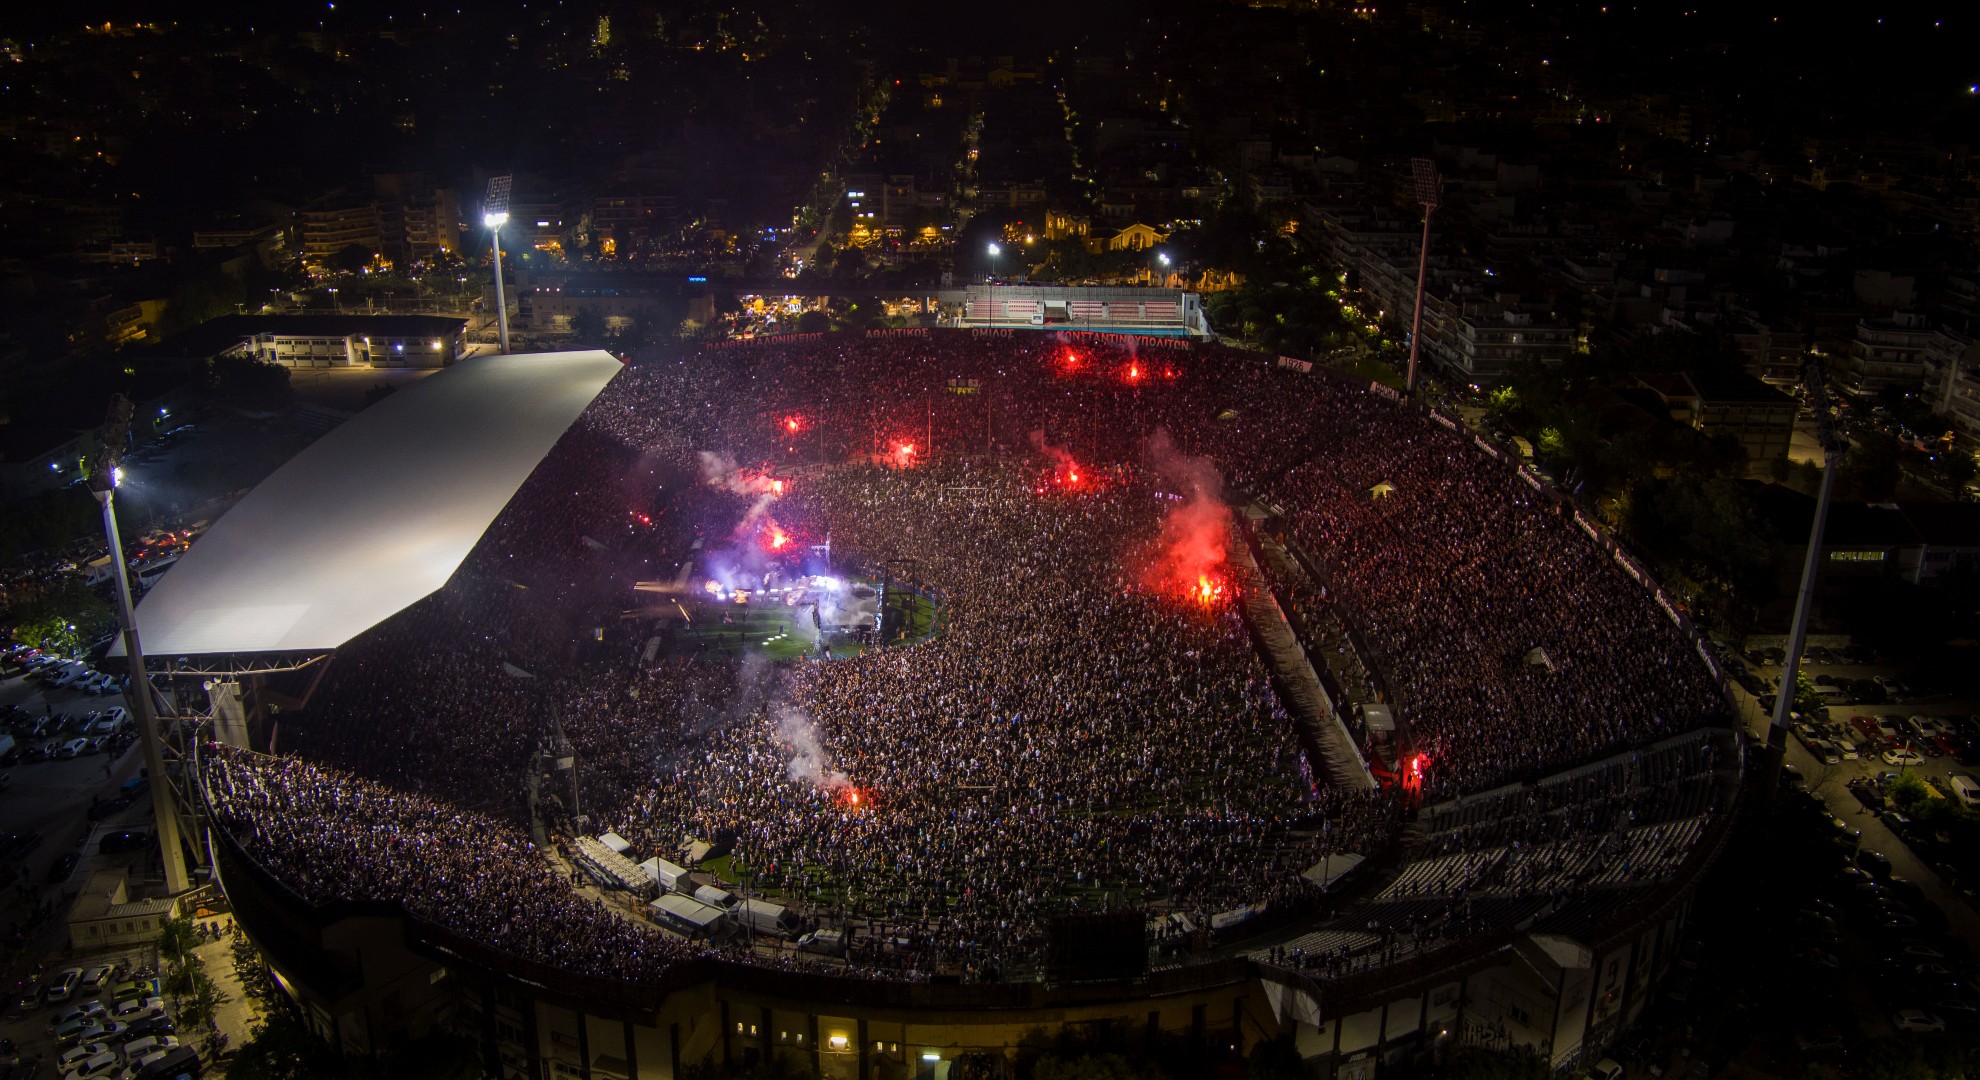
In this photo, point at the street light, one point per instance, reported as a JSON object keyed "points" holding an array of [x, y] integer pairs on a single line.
{"points": [[495, 214]]}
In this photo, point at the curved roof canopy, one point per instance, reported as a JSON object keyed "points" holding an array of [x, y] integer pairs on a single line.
{"points": [[373, 516]]}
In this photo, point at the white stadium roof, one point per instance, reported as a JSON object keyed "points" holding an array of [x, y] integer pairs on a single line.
{"points": [[373, 516]]}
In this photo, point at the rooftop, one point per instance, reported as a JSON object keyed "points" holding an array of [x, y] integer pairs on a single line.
{"points": [[373, 516]]}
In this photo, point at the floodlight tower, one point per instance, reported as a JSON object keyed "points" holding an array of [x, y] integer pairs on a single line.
{"points": [[104, 474], [994, 252], [1427, 184], [1834, 445], [495, 214]]}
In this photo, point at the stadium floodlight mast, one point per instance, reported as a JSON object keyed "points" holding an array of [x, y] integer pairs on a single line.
{"points": [[1427, 184], [495, 214], [994, 252], [1834, 446], [104, 475]]}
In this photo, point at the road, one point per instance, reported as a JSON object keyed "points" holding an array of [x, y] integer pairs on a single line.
{"points": [[1829, 783]]}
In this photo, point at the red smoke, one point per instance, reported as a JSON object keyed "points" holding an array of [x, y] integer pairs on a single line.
{"points": [[1190, 553], [1066, 472], [774, 536]]}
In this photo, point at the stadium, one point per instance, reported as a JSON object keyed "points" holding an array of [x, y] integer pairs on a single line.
{"points": [[888, 703]]}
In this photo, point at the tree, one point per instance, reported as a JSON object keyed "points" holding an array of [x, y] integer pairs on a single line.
{"points": [[49, 520], [587, 325], [812, 322], [198, 1011], [283, 1049], [1084, 1067], [1708, 528], [207, 294], [65, 618], [352, 259], [250, 384], [1871, 471]]}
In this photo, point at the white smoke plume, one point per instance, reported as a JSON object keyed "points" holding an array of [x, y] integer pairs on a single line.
{"points": [[809, 760], [719, 470]]}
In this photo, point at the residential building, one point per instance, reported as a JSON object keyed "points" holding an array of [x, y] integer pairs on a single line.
{"points": [[1900, 352], [1731, 403], [332, 224], [37, 459]]}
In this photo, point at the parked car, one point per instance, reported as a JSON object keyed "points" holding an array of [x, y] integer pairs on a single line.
{"points": [[103, 808], [124, 840], [99, 1064], [148, 1044], [61, 986], [1902, 758], [60, 870], [104, 1028], [157, 1025], [136, 1009], [1917, 1020], [76, 1055]]}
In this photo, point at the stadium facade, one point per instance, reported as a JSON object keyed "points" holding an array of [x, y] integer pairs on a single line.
{"points": [[370, 978]]}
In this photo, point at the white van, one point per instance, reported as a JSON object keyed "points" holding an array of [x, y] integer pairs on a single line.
{"points": [[1967, 788]]}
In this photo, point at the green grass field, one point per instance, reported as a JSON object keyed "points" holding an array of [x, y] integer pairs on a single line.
{"points": [[783, 633]]}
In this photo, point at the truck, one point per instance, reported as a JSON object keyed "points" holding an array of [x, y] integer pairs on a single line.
{"points": [[823, 942], [665, 874], [765, 917]]}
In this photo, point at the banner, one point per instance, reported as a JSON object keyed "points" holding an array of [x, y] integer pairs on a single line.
{"points": [[1379, 390], [1444, 420], [1304, 367], [1629, 566], [1485, 446]]}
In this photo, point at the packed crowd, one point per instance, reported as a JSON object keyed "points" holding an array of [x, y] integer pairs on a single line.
{"points": [[1075, 740], [332, 836], [1513, 645]]}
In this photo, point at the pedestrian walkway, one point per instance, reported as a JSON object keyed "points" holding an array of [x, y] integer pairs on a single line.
{"points": [[238, 1017], [1305, 697]]}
